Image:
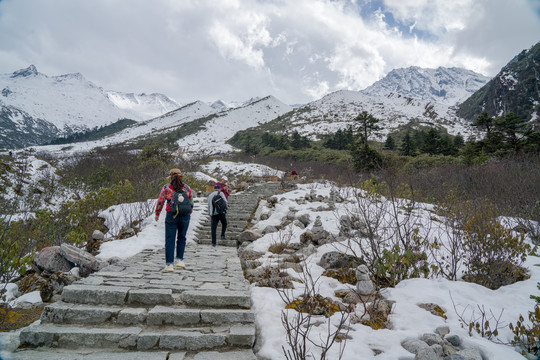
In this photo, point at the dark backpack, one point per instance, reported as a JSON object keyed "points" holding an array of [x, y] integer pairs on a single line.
{"points": [[181, 204], [219, 204]]}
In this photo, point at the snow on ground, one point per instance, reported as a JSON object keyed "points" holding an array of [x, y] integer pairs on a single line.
{"points": [[220, 167], [407, 319]]}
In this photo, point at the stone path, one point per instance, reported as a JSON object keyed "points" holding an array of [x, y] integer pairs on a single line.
{"points": [[132, 310]]}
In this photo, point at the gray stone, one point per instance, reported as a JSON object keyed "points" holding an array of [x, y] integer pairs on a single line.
{"points": [[337, 260], [132, 316], [150, 296], [98, 235], [304, 219], [249, 235], [362, 273], [270, 229], [299, 224], [455, 357], [217, 298], [242, 335], [264, 216], [50, 259], [161, 315], [442, 331], [427, 354], [455, 340], [108, 295], [60, 312], [177, 356], [365, 287], [135, 355], [76, 256], [431, 339], [414, 345], [190, 340], [224, 316], [148, 341]]}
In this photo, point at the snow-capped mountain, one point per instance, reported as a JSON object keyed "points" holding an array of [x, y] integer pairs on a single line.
{"points": [[222, 126], [338, 110], [449, 86], [148, 105], [62, 105], [153, 127]]}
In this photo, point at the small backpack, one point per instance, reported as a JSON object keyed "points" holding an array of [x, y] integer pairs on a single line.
{"points": [[219, 204], [181, 204]]}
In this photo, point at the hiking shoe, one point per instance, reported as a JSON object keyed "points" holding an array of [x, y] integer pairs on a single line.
{"points": [[213, 244], [223, 237], [168, 268], [179, 263]]}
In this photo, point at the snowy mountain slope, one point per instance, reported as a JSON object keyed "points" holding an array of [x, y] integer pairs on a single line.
{"points": [[338, 110], [167, 122], [67, 103], [222, 127], [150, 106], [449, 86]]}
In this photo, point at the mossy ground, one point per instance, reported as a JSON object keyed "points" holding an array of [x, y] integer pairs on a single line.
{"points": [[13, 319]]}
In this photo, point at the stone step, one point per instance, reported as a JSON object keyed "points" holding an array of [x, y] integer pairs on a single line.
{"points": [[137, 338], [100, 354], [206, 240], [115, 295], [216, 298], [65, 313]]}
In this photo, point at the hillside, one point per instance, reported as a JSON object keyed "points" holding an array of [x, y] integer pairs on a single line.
{"points": [[515, 89]]}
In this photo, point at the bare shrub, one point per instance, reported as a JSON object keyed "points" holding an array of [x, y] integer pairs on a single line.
{"points": [[300, 325]]}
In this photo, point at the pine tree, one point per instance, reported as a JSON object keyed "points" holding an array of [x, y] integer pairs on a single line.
{"points": [[389, 144], [364, 157], [408, 146]]}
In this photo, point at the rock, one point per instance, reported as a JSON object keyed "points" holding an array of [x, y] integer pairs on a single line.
{"points": [[75, 255], [318, 222], [431, 339], [270, 229], [336, 260], [299, 224], [304, 219], [55, 284], [264, 216], [31, 282], [272, 201], [89, 268], [98, 235], [113, 260], [126, 232], [470, 354], [362, 273], [291, 215], [51, 260], [455, 340], [306, 238], [320, 236], [249, 235], [427, 354], [414, 345], [365, 287], [442, 331]]}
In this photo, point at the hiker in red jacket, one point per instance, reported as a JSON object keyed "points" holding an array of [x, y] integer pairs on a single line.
{"points": [[175, 224], [224, 187]]}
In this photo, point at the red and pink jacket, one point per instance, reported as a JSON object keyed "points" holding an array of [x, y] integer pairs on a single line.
{"points": [[166, 195]]}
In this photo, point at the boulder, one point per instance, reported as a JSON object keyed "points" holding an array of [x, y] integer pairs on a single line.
{"points": [[414, 345], [336, 260], [264, 216], [299, 224], [51, 260], [304, 219], [55, 284], [98, 235], [270, 229], [75, 255], [249, 235]]}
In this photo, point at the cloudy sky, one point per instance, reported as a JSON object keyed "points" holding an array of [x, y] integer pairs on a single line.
{"points": [[296, 50]]}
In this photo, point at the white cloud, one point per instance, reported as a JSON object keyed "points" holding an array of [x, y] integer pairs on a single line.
{"points": [[236, 49]]}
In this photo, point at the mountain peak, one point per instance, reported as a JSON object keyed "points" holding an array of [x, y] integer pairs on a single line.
{"points": [[29, 71]]}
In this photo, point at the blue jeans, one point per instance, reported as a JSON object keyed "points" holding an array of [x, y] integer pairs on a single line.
{"points": [[174, 226]]}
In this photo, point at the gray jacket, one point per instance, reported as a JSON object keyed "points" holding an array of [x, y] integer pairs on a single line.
{"points": [[210, 206]]}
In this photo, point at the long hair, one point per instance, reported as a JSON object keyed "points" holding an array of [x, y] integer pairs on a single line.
{"points": [[176, 180]]}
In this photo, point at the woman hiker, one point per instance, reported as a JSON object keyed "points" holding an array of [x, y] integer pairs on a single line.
{"points": [[224, 186], [179, 207], [217, 208]]}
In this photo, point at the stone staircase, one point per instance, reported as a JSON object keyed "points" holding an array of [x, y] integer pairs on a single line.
{"points": [[132, 310], [241, 207]]}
